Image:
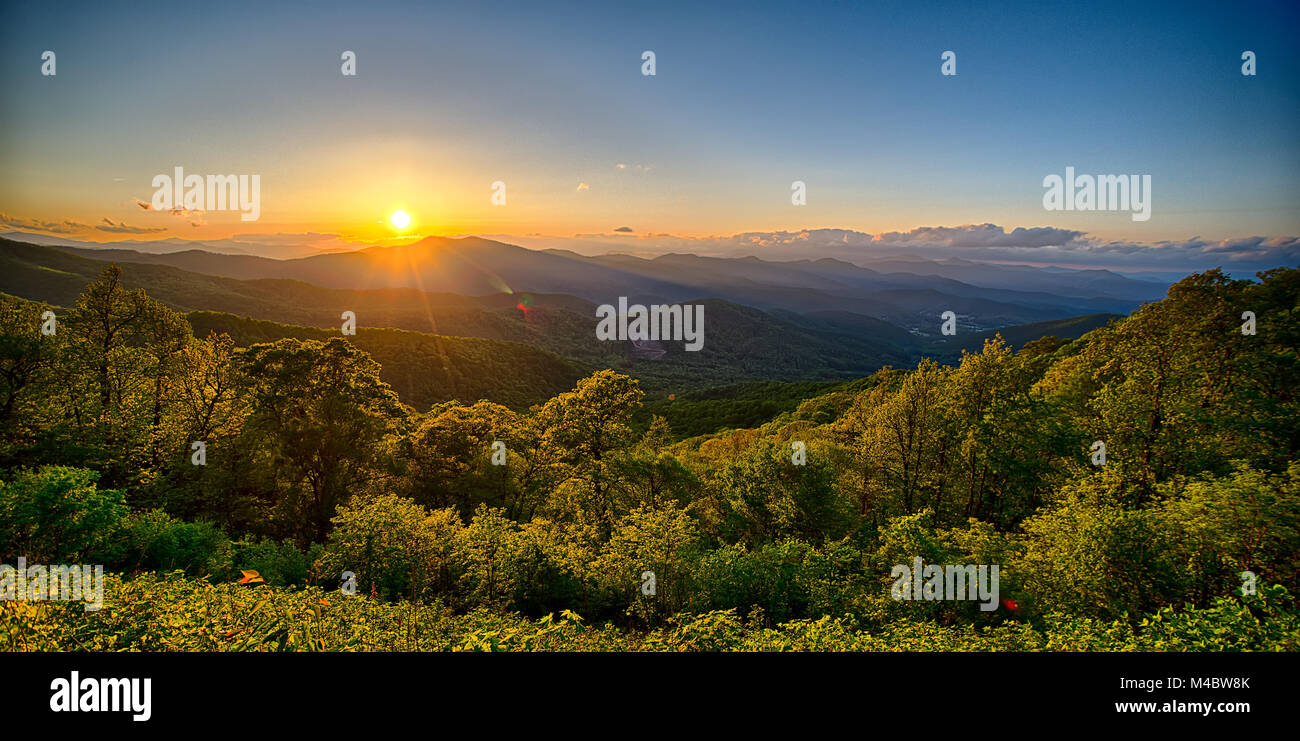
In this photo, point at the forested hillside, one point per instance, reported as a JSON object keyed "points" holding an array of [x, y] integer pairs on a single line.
{"points": [[424, 369], [311, 467], [746, 344]]}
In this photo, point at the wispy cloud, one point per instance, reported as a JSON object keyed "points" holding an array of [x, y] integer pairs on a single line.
{"points": [[67, 226], [178, 211], [120, 227]]}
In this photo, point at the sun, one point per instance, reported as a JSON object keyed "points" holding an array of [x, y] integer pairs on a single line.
{"points": [[400, 219]]}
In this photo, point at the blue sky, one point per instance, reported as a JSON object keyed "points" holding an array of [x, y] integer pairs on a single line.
{"points": [[747, 98]]}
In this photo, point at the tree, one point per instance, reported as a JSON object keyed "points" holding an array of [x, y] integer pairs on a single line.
{"points": [[320, 417], [653, 476], [394, 546], [116, 374], [449, 458], [909, 444], [489, 545], [660, 541], [1089, 554], [25, 356], [1249, 520], [56, 514], [767, 497], [1009, 443], [584, 428]]}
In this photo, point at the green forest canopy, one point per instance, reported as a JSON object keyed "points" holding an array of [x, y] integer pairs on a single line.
{"points": [[313, 466]]}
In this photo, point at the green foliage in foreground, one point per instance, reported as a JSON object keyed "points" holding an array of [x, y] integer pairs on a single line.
{"points": [[172, 613], [310, 468]]}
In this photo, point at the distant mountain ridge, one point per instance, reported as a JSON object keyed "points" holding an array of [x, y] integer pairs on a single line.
{"points": [[472, 266], [274, 248], [743, 342]]}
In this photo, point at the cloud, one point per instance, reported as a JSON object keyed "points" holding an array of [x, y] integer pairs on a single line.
{"points": [[177, 211], [1035, 245], [122, 228], [983, 235], [1039, 245], [67, 226], [1252, 245], [582, 187]]}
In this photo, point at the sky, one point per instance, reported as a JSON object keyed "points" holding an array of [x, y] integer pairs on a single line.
{"points": [[550, 99]]}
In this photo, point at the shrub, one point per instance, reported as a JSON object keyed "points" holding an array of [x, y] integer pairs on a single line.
{"points": [[56, 514]]}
